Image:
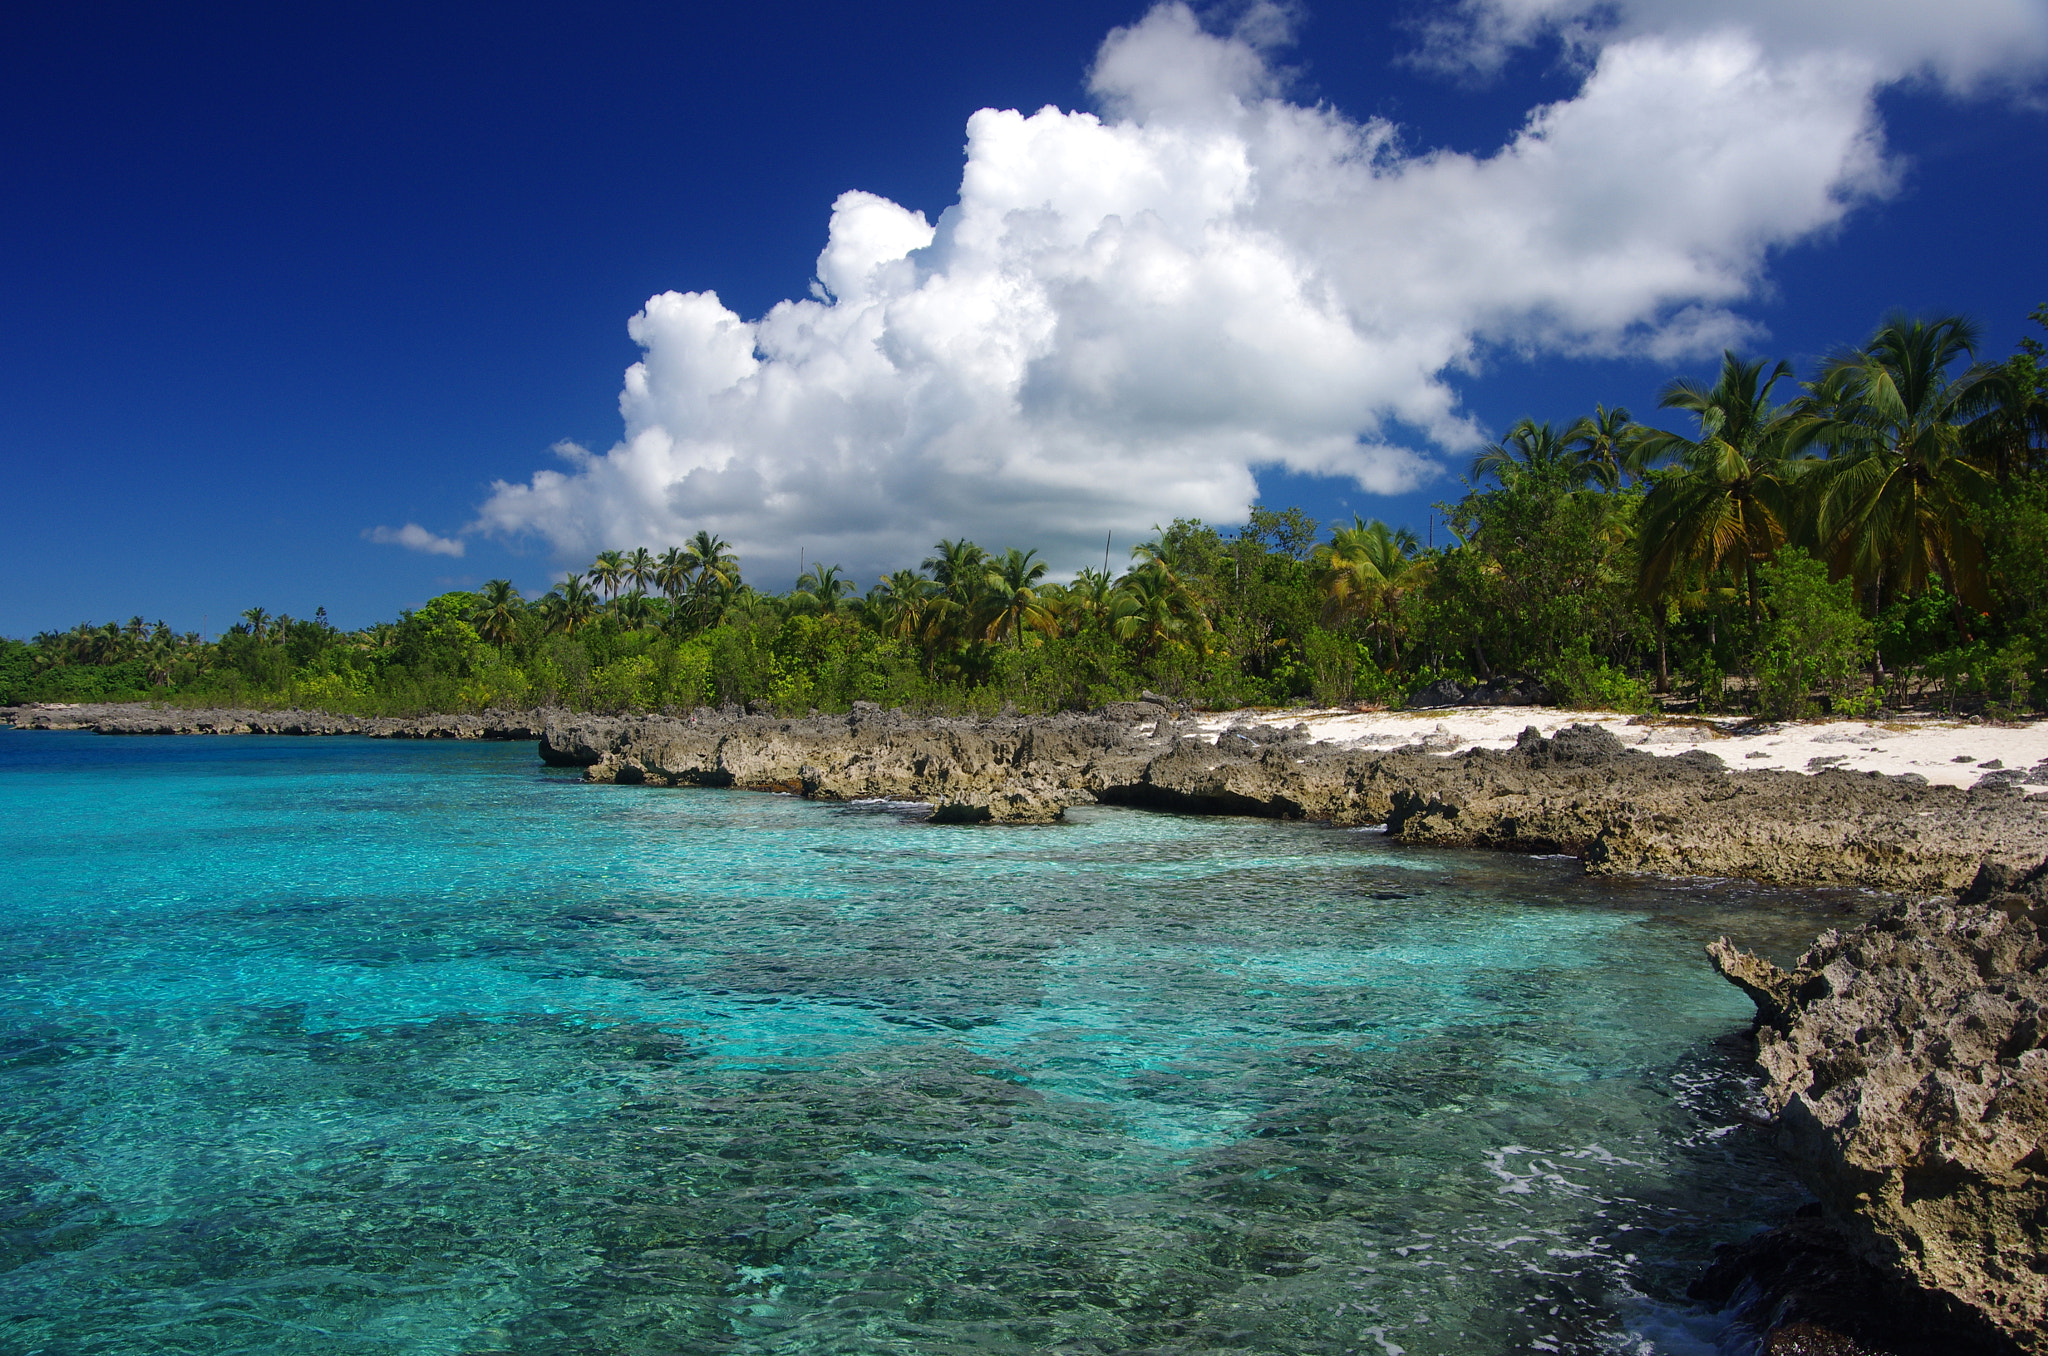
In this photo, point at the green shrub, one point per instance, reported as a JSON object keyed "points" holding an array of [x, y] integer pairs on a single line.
{"points": [[624, 684], [1581, 681], [1815, 641]]}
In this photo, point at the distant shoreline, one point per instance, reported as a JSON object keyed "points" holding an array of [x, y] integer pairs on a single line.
{"points": [[1885, 807]]}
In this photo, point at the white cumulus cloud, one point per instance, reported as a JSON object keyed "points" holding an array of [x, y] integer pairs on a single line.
{"points": [[1129, 312], [1962, 44], [413, 537]]}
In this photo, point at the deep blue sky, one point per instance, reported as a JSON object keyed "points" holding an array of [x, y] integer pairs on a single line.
{"points": [[272, 274]]}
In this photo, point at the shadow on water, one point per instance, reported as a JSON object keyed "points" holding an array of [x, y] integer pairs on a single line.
{"points": [[372, 1048]]}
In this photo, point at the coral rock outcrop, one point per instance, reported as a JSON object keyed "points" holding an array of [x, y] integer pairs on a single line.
{"points": [[1906, 1061], [1579, 792]]}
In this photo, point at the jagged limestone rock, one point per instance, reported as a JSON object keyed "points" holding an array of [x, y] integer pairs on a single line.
{"points": [[1907, 1063]]}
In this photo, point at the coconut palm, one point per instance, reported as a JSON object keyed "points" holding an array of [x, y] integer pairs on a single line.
{"points": [[1539, 450], [569, 606], [639, 569], [1153, 609], [496, 617], [714, 569], [958, 567], [900, 606], [821, 588], [1605, 443], [1088, 598], [1363, 570], [1729, 498], [259, 622], [2011, 437], [636, 611], [160, 656], [673, 573], [1895, 494], [714, 577], [711, 562], [1361, 563], [608, 573], [1014, 604]]}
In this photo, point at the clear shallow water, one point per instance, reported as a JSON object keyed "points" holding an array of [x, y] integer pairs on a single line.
{"points": [[338, 1046]]}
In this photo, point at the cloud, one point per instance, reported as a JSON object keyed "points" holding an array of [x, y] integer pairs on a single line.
{"points": [[1963, 44], [1127, 314], [413, 537]]}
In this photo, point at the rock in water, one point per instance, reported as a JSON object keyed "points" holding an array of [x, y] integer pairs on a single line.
{"points": [[1907, 1063], [1580, 792]]}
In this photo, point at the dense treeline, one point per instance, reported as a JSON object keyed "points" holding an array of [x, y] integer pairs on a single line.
{"points": [[1876, 535]]}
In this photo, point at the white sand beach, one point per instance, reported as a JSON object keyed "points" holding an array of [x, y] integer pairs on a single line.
{"points": [[1946, 751]]}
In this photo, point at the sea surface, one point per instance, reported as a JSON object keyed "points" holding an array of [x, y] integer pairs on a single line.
{"points": [[342, 1046]]}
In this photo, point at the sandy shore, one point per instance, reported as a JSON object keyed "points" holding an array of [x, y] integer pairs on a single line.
{"points": [[1947, 752]]}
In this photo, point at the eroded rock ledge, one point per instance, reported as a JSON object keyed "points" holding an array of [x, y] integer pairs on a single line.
{"points": [[137, 719], [1906, 1061], [1580, 792]]}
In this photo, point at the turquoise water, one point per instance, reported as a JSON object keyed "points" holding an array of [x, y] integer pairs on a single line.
{"points": [[341, 1046]]}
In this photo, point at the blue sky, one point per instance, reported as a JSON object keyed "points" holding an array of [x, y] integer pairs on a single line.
{"points": [[276, 277]]}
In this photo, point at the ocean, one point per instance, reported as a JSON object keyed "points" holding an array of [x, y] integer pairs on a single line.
{"points": [[352, 1046]]}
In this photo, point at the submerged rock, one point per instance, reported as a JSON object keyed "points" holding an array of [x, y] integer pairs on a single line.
{"points": [[1906, 1061]]}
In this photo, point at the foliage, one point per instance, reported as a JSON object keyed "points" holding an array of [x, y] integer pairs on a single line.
{"points": [[1815, 641], [1893, 512], [1580, 681]]}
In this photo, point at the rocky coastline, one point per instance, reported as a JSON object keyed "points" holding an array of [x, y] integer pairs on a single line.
{"points": [[1580, 792], [138, 719], [1905, 1061]]}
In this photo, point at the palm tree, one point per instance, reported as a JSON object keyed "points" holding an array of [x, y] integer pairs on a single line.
{"points": [[1730, 497], [497, 614], [1089, 596], [1014, 602], [160, 657], [821, 587], [608, 572], [569, 606], [1360, 563], [1153, 609], [259, 622], [1895, 493], [900, 606], [673, 572], [960, 568], [711, 562], [1364, 567], [636, 611], [1605, 444], [1539, 450], [2010, 437], [714, 575], [957, 565], [639, 568]]}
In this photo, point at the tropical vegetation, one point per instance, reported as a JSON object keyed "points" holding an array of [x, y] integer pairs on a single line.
{"points": [[1873, 536]]}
